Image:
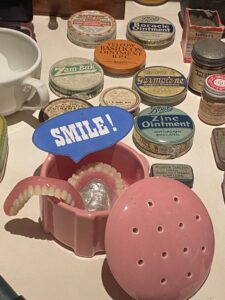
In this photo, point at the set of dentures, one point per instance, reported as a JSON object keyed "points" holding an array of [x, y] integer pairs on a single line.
{"points": [[93, 187]]}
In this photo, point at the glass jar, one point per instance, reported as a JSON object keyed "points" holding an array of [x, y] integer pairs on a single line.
{"points": [[208, 57], [212, 104]]}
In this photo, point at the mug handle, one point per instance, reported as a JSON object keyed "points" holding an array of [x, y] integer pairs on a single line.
{"points": [[41, 91]]}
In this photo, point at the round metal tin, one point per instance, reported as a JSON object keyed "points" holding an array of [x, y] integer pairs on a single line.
{"points": [[151, 32], [60, 106], [89, 28], [120, 57], [151, 2], [76, 77], [122, 97], [163, 132], [160, 85]]}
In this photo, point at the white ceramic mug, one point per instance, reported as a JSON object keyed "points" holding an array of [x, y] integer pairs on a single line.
{"points": [[20, 69]]}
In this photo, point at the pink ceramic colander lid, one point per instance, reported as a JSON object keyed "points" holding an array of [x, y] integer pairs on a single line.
{"points": [[159, 240]]}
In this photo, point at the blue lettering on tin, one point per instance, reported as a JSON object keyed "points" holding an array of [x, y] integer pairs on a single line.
{"points": [[151, 27], [161, 81], [164, 121]]}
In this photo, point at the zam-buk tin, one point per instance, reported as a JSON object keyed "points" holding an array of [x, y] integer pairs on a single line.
{"points": [[163, 132]]}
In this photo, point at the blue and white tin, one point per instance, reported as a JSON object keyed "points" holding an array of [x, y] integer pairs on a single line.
{"points": [[151, 32], [163, 132]]}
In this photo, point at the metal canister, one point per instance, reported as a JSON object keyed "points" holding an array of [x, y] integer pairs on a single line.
{"points": [[212, 104], [208, 57]]}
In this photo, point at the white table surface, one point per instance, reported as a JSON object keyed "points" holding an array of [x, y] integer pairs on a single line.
{"points": [[40, 268]]}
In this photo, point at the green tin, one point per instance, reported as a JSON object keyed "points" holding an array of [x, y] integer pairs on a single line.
{"points": [[76, 77], [163, 132], [3, 145]]}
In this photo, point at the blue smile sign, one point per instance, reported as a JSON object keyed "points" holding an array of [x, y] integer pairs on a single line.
{"points": [[80, 132]]}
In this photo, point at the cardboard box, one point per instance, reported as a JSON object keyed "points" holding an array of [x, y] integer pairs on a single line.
{"points": [[65, 8], [199, 24]]}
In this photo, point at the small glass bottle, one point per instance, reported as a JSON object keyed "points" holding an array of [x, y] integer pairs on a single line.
{"points": [[208, 57], [212, 104]]}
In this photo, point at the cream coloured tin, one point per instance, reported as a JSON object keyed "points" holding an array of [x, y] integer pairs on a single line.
{"points": [[163, 132], [76, 77], [89, 28], [151, 32], [122, 97]]}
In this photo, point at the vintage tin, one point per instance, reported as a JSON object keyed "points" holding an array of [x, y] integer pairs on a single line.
{"points": [[76, 77], [180, 172], [88, 28], [122, 97], [151, 32], [208, 57], [218, 146], [60, 106], [160, 85], [120, 57], [3, 146], [151, 2], [163, 132], [212, 104]]}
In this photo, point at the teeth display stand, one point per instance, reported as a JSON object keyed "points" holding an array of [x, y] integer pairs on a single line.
{"points": [[39, 267]]}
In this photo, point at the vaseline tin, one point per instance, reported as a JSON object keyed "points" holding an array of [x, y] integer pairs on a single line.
{"points": [[60, 106], [88, 28], [3, 145], [160, 85], [76, 77], [152, 32], [122, 97], [163, 132], [212, 104], [120, 57]]}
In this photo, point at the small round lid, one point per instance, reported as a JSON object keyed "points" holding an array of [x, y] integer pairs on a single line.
{"points": [[160, 85], [75, 76], [215, 86], [88, 28], [164, 125], [152, 32], [122, 97], [209, 52], [60, 106], [120, 57], [159, 240]]}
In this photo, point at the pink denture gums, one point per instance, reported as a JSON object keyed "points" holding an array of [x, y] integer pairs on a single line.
{"points": [[37, 185]]}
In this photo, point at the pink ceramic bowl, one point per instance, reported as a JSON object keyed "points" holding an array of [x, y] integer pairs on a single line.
{"points": [[82, 230]]}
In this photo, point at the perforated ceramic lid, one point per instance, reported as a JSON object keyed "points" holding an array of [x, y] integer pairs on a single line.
{"points": [[159, 240]]}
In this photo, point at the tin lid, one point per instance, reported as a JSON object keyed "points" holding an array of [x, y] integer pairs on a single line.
{"points": [[215, 86], [120, 57], [122, 97], [60, 106], [88, 28], [164, 125], [76, 77], [160, 85], [152, 32], [209, 52]]}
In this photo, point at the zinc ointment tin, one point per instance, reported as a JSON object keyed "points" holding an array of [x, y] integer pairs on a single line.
{"points": [[3, 146], [181, 172], [89, 28], [212, 104], [120, 57], [122, 97], [152, 32], [163, 132], [76, 77], [160, 85], [60, 106]]}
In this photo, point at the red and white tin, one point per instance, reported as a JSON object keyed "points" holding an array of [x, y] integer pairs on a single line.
{"points": [[88, 28], [212, 104]]}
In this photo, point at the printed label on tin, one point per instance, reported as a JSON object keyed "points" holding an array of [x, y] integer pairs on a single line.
{"points": [[216, 82], [70, 70], [151, 27], [80, 132]]}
